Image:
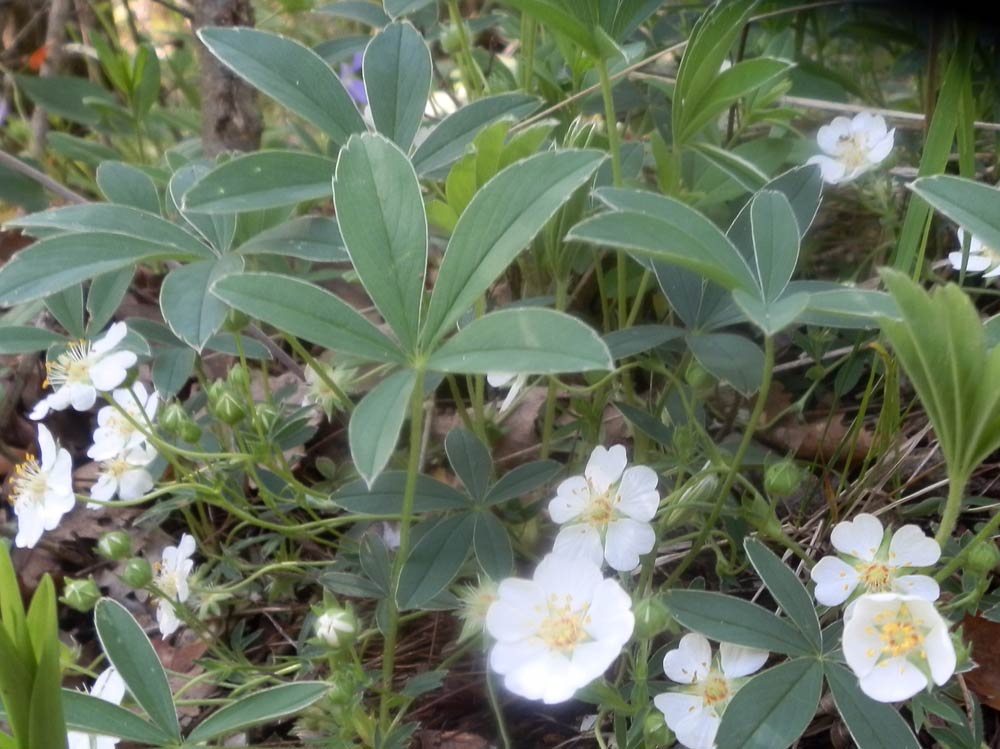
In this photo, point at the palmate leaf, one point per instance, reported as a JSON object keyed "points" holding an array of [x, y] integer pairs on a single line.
{"points": [[397, 75]]}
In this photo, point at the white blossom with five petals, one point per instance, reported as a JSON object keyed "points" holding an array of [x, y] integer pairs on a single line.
{"points": [[871, 565], [126, 474], [83, 370], [41, 492], [982, 258], [109, 687], [171, 579], [558, 631], [115, 434], [694, 714], [897, 645], [852, 146], [606, 512]]}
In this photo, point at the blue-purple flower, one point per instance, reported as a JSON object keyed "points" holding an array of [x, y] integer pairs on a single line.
{"points": [[350, 76]]}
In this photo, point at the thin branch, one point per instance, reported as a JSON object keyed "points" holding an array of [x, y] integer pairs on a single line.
{"points": [[276, 351], [41, 178]]}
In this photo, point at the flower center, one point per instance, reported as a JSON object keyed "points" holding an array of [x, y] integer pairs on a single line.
{"points": [[166, 580], [116, 467], [29, 482], [876, 577], [853, 153], [715, 689], [563, 628], [72, 366], [601, 510], [901, 635]]}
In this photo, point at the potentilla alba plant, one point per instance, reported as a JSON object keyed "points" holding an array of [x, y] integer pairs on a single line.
{"points": [[874, 561], [115, 433], [606, 512], [126, 475], [852, 146], [109, 687], [982, 258], [694, 713], [83, 370], [171, 579], [897, 645], [558, 631], [41, 493]]}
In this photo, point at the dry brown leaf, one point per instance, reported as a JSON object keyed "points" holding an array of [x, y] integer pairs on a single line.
{"points": [[984, 681]]}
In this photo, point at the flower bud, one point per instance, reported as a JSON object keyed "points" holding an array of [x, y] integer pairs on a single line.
{"points": [[114, 545], [173, 418], [699, 378], [655, 732], [337, 627], [982, 558], [451, 40], [762, 517], [81, 595], [238, 378], [138, 573], [227, 407], [191, 432], [651, 617], [476, 601], [782, 479]]}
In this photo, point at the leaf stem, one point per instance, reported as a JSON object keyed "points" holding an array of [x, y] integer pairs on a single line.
{"points": [[406, 518], [734, 467], [952, 509]]}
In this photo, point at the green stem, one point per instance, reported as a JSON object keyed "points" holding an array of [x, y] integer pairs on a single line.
{"points": [[615, 146], [528, 45], [475, 81], [748, 433], [409, 493], [952, 508], [548, 421], [988, 530], [491, 689]]}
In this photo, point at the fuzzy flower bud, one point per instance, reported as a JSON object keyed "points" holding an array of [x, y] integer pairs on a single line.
{"points": [[337, 627], [138, 573], [81, 595], [115, 545]]}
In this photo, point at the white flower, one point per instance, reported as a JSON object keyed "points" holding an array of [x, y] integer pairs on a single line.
{"points": [[319, 393], [607, 511], [694, 714], [874, 566], [125, 475], [109, 687], [41, 493], [336, 627], [116, 434], [83, 370], [502, 380], [558, 631], [172, 581], [981, 257], [852, 146], [896, 645]]}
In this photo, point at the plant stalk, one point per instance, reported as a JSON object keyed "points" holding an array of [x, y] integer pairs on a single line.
{"points": [[952, 509]]}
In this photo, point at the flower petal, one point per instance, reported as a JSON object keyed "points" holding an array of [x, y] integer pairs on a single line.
{"points": [[738, 661], [829, 136], [605, 467], [690, 661], [581, 542], [699, 730], [920, 586], [111, 370], [518, 610], [835, 580], [572, 497], [564, 576], [975, 264], [637, 495], [910, 547], [626, 541], [831, 170], [879, 149], [860, 537], [609, 616], [893, 680], [46, 447], [678, 706], [104, 488], [134, 484]]}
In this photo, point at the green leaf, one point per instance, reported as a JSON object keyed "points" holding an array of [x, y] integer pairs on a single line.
{"points": [[774, 708], [771, 317], [523, 341], [787, 589], [172, 368], [640, 338], [435, 560], [290, 73], [306, 311], [67, 308], [374, 428], [219, 230], [93, 715], [259, 707], [397, 75], [730, 357], [64, 96], [51, 265], [557, 19], [359, 11], [12, 616], [843, 307], [117, 219], [872, 725], [309, 238], [47, 726], [382, 221], [126, 185], [79, 149], [646, 423], [452, 136], [15, 675], [492, 546], [265, 179], [194, 314], [105, 296], [972, 205], [522, 480], [470, 460], [385, 496], [18, 339], [668, 231], [132, 655], [397, 8], [503, 217], [730, 619], [775, 233]]}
